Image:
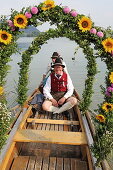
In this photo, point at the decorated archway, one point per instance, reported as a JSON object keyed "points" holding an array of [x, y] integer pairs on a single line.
{"points": [[76, 27]]}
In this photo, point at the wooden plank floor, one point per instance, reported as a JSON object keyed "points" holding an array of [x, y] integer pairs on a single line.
{"points": [[47, 163], [50, 149], [46, 156]]}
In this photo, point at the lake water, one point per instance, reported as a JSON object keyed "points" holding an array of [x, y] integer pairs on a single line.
{"points": [[77, 68]]}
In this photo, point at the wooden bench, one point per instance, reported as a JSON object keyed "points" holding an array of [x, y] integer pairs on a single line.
{"points": [[49, 121], [57, 137]]}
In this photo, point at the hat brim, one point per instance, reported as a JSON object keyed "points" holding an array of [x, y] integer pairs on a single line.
{"points": [[58, 64], [54, 57]]}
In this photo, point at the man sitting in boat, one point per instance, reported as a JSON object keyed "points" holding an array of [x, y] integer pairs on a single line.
{"points": [[55, 55], [58, 90], [39, 98]]}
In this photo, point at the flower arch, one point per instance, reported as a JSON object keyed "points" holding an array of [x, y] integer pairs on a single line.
{"points": [[76, 27]]}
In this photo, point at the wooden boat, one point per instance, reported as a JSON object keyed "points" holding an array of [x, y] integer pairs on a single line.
{"points": [[40, 143]]}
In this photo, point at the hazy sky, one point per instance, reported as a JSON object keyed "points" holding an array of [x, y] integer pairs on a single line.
{"points": [[100, 11]]}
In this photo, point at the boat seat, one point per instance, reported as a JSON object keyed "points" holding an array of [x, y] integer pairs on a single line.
{"points": [[49, 121], [57, 137]]}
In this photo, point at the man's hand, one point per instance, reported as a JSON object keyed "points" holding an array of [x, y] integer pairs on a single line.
{"points": [[36, 90], [54, 102], [61, 101]]}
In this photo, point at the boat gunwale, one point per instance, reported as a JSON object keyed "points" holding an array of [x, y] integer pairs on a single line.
{"points": [[10, 141], [21, 116]]}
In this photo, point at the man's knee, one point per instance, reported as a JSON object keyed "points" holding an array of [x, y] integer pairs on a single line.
{"points": [[46, 106], [73, 100]]}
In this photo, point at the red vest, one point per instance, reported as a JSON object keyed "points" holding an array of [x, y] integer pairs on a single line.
{"points": [[58, 85]]}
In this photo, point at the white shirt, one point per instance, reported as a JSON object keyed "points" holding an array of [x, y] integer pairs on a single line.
{"points": [[47, 88]]}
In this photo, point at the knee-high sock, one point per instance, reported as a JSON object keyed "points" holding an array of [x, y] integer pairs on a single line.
{"points": [[53, 109], [65, 107]]}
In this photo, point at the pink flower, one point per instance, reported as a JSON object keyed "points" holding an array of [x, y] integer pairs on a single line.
{"points": [[73, 13], [100, 34], [13, 28], [66, 10], [34, 10], [112, 90], [112, 53], [28, 14], [109, 89], [107, 94], [10, 23], [112, 85], [93, 31]]}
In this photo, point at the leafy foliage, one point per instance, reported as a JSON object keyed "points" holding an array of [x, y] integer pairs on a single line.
{"points": [[5, 120]]}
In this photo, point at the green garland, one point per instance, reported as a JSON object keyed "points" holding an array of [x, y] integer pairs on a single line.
{"points": [[5, 121], [80, 29], [35, 47]]}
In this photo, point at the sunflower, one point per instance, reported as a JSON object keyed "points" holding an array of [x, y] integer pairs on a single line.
{"points": [[85, 24], [20, 21], [5, 37], [111, 77], [1, 90], [107, 107], [108, 44], [48, 4], [101, 118]]}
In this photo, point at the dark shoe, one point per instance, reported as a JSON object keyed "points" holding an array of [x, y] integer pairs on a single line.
{"points": [[59, 116], [72, 127], [67, 115], [34, 113], [54, 116]]}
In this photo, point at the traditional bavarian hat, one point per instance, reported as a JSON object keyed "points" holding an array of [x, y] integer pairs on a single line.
{"points": [[55, 55], [58, 62]]}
